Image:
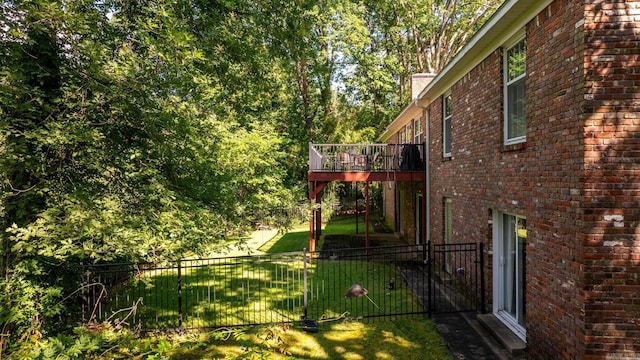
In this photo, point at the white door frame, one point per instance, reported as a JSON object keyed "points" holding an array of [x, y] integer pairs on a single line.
{"points": [[498, 278]]}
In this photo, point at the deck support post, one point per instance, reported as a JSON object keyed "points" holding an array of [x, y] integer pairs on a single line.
{"points": [[311, 219], [367, 201], [315, 212], [318, 231]]}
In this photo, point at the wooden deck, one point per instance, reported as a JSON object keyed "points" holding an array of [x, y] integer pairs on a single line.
{"points": [[366, 162], [361, 163]]}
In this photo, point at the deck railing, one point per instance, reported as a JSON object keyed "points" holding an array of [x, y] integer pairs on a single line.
{"points": [[365, 157]]}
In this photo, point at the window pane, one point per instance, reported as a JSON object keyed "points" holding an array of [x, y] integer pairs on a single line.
{"points": [[447, 106], [509, 272], [447, 136], [516, 60], [446, 125], [514, 267], [516, 125], [521, 269]]}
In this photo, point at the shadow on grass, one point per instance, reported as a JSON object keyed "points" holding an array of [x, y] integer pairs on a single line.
{"points": [[399, 339]]}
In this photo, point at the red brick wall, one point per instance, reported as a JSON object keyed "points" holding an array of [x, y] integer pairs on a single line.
{"points": [[409, 190], [612, 179], [555, 318]]}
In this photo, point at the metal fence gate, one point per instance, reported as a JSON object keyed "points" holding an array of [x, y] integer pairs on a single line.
{"points": [[275, 288], [456, 278]]}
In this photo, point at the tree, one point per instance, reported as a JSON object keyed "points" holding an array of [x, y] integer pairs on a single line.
{"points": [[128, 133], [382, 43]]}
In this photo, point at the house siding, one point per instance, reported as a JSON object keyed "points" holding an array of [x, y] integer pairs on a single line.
{"points": [[576, 179]]}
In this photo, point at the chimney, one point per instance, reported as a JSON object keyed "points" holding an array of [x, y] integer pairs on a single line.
{"points": [[418, 83]]}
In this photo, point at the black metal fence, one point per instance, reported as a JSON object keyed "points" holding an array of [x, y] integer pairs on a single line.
{"points": [[203, 293], [457, 278], [273, 288]]}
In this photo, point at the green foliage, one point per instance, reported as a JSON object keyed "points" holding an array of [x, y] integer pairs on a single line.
{"points": [[123, 137], [94, 343]]}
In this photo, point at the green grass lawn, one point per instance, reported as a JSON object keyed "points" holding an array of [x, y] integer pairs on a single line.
{"points": [[297, 239], [400, 339], [255, 290]]}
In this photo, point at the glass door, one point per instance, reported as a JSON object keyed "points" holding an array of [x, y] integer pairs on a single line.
{"points": [[515, 239], [510, 275]]}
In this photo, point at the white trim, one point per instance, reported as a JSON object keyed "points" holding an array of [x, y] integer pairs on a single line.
{"points": [[416, 135], [446, 154], [505, 86], [512, 325], [427, 185], [515, 140]]}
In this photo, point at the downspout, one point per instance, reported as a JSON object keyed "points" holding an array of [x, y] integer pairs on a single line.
{"points": [[427, 185]]}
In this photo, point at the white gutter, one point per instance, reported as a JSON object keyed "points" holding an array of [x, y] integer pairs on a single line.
{"points": [[427, 183]]}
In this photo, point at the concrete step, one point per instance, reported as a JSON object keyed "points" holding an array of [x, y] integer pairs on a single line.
{"points": [[511, 342]]}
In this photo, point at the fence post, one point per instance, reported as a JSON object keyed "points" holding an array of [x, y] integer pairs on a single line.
{"points": [[482, 296], [304, 274], [179, 293], [85, 290], [429, 284]]}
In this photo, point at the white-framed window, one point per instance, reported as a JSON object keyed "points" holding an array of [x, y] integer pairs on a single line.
{"points": [[514, 93], [407, 130], [417, 130], [446, 124], [402, 136], [509, 272]]}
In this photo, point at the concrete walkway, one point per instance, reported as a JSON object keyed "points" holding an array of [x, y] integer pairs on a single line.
{"points": [[467, 338]]}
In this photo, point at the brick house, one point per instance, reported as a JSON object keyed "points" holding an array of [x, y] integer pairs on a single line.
{"points": [[533, 134], [403, 201]]}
